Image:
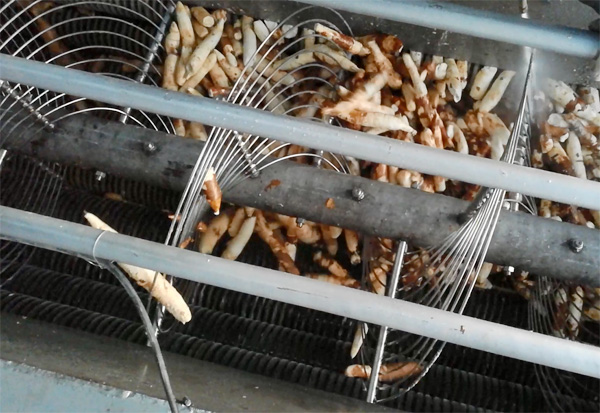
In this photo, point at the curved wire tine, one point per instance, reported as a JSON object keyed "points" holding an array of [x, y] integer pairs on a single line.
{"points": [[283, 23], [93, 47], [40, 33], [251, 88], [197, 180], [548, 378], [273, 161], [76, 63], [428, 343], [441, 256], [102, 48], [25, 105], [234, 148], [71, 5], [285, 89], [255, 76], [9, 22], [256, 66], [189, 192], [469, 254], [283, 158], [270, 37], [104, 5], [260, 149], [74, 101], [261, 100], [31, 102], [457, 299], [244, 161], [489, 214]]}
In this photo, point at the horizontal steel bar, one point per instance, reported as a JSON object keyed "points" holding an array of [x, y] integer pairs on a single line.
{"points": [[453, 165], [443, 15], [83, 241], [529, 243]]}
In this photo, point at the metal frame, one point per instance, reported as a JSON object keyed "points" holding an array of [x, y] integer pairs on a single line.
{"points": [[383, 330], [453, 165], [413, 318], [86, 242]]}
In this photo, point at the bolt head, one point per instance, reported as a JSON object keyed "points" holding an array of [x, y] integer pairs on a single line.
{"points": [[100, 175], [187, 402], [358, 194], [576, 245], [300, 222], [150, 147]]}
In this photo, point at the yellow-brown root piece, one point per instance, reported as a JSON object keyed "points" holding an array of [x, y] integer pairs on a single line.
{"points": [[160, 289]]}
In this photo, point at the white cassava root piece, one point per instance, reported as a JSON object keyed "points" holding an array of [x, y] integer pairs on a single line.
{"points": [[495, 93], [351, 238], [334, 267], [173, 39], [331, 56], [168, 81], [384, 65], [203, 49], [347, 43], [160, 289], [203, 16], [236, 222], [360, 333], [249, 39], [185, 25], [195, 80], [215, 230], [483, 80], [237, 243], [278, 248]]}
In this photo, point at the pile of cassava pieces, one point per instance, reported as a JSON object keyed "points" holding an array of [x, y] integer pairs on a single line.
{"points": [[387, 91], [568, 144]]}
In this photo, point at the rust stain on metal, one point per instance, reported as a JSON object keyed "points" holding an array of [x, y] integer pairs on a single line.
{"points": [[186, 243], [330, 203], [273, 184]]}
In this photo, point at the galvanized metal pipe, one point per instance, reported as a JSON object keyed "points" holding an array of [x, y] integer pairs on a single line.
{"points": [[538, 245], [83, 241], [453, 165], [443, 15], [383, 330]]}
